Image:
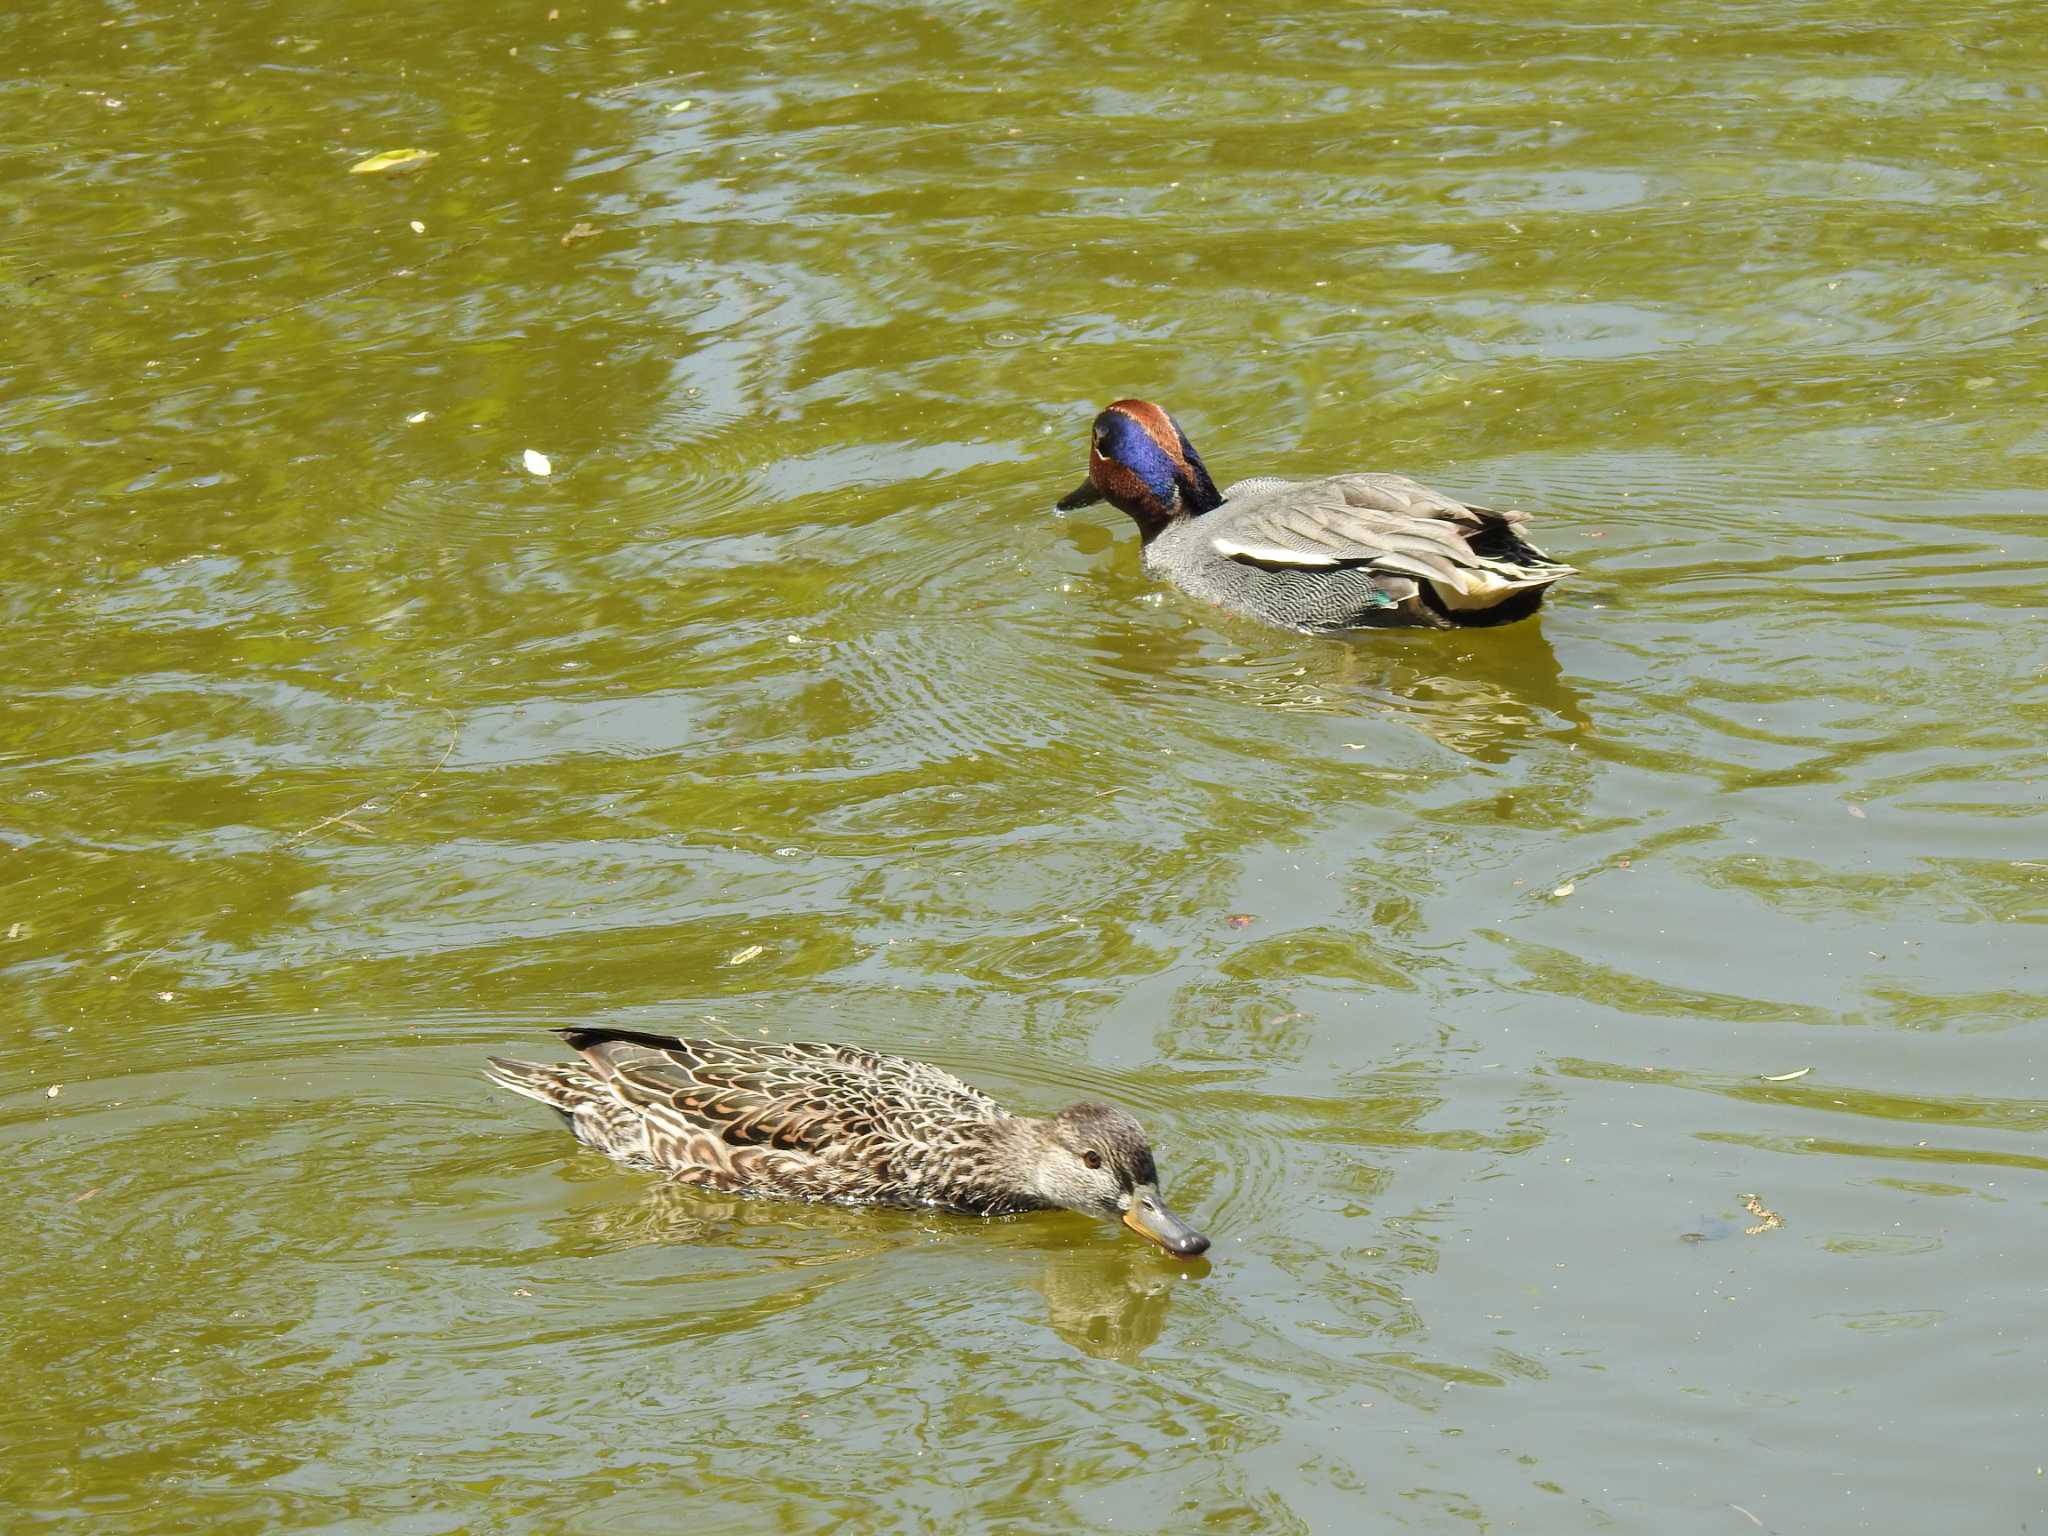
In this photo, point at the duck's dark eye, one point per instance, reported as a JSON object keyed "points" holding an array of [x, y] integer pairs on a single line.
{"points": [[1092, 1159]]}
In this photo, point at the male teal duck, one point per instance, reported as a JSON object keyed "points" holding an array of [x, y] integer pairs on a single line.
{"points": [[832, 1122], [1349, 551]]}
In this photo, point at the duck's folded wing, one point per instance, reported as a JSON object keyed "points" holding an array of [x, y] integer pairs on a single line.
{"points": [[1384, 522], [745, 1096]]}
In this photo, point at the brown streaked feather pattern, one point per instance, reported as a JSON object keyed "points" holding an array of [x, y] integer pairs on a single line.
{"points": [[809, 1121]]}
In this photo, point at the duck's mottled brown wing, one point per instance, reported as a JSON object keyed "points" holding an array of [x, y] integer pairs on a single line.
{"points": [[813, 1098], [808, 1121], [1387, 523]]}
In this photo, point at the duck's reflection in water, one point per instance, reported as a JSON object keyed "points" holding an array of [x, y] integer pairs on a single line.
{"points": [[800, 1232], [1486, 694], [1106, 1295], [1110, 1301], [1486, 697]]}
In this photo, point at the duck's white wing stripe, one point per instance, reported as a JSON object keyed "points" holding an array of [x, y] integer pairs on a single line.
{"points": [[1270, 554]]}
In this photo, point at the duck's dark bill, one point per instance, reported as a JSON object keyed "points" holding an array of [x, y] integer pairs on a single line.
{"points": [[1082, 495], [1149, 1217]]}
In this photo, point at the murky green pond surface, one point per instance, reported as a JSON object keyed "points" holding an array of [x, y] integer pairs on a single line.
{"points": [[340, 750]]}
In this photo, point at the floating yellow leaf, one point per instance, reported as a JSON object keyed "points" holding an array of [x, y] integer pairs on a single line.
{"points": [[392, 160]]}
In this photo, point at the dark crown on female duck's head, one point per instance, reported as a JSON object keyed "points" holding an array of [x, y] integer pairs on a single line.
{"points": [[1141, 462]]}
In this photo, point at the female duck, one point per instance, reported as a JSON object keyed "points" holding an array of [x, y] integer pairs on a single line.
{"points": [[1347, 552], [829, 1122]]}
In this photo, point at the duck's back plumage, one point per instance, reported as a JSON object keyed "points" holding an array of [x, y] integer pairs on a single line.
{"points": [[1353, 551], [810, 1120]]}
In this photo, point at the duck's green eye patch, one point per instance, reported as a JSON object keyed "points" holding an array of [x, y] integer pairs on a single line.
{"points": [[1092, 1159]]}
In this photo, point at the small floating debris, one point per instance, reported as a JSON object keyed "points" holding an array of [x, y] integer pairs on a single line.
{"points": [[536, 463], [1788, 1077], [751, 952], [581, 230], [1766, 1218], [1565, 890], [393, 161], [1240, 920], [417, 417]]}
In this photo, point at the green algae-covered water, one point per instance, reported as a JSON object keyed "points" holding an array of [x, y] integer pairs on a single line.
{"points": [[341, 749]]}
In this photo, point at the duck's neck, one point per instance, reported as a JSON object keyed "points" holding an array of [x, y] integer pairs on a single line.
{"points": [[1198, 493], [1151, 526], [1194, 494], [997, 1174]]}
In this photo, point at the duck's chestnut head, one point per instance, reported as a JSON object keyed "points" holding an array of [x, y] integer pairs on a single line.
{"points": [[1141, 463]]}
